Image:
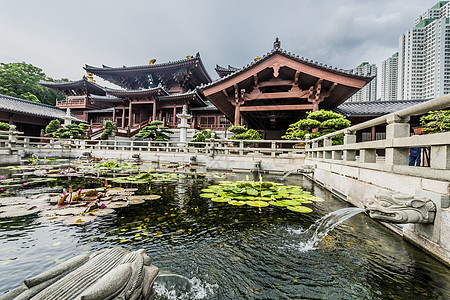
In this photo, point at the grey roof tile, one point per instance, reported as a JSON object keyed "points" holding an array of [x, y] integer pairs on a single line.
{"points": [[374, 108], [21, 106]]}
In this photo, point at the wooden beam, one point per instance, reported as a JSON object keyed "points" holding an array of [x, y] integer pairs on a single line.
{"points": [[277, 107], [279, 95], [276, 83]]}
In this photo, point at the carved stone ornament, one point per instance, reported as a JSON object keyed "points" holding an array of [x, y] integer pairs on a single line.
{"points": [[400, 208], [114, 273]]}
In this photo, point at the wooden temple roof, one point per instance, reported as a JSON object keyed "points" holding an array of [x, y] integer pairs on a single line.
{"points": [[187, 73], [75, 88], [282, 81], [154, 91], [221, 71], [30, 108]]}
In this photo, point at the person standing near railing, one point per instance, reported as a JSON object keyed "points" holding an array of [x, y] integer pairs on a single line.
{"points": [[414, 155]]}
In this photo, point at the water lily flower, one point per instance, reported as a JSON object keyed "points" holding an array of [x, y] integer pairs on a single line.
{"points": [[25, 183], [103, 205], [2, 176]]}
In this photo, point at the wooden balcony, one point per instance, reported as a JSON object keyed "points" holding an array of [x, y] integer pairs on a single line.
{"points": [[73, 102]]}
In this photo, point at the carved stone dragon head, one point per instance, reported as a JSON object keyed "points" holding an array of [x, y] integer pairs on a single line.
{"points": [[400, 208]]}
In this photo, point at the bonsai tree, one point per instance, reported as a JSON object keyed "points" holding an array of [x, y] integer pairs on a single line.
{"points": [[4, 126], [155, 132], [76, 131], [109, 127], [436, 121], [316, 124], [242, 133], [52, 126], [202, 136]]}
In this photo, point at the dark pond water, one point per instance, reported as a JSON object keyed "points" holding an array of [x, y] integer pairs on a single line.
{"points": [[209, 250]]}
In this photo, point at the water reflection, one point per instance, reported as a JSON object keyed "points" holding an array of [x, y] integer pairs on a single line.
{"points": [[219, 251]]}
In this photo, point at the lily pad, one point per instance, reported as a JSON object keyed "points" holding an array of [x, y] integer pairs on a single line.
{"points": [[257, 203], [136, 201], [117, 204], [18, 213], [220, 199], [208, 190], [236, 202], [70, 211], [278, 203], [102, 212], [79, 220], [300, 209], [208, 195]]}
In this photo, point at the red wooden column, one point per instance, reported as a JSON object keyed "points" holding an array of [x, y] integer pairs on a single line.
{"points": [[130, 114], [114, 115], [238, 101], [154, 111], [123, 116], [174, 114], [237, 113]]}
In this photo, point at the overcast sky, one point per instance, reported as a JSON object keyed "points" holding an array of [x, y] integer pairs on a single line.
{"points": [[61, 37]]}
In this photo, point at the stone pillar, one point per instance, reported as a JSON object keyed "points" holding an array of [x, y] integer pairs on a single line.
{"points": [[327, 142], [397, 127], [367, 156], [349, 138], [183, 125], [307, 145], [440, 157]]}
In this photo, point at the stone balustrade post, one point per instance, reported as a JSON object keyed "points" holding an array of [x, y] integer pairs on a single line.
{"points": [[12, 138], [327, 142], [440, 157], [349, 138], [315, 145], [273, 149], [368, 156], [397, 127], [308, 145]]}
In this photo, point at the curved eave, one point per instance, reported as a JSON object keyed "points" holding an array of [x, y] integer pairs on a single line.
{"points": [[301, 60], [144, 92], [194, 96], [79, 84], [163, 67]]}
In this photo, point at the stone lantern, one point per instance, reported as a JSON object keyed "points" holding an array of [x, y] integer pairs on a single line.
{"points": [[183, 125]]}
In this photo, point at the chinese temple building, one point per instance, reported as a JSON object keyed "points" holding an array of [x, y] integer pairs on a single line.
{"points": [[278, 89], [267, 95]]}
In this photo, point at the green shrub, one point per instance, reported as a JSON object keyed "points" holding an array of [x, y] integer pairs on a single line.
{"points": [[4, 126], [436, 121], [109, 127], [155, 132], [52, 126], [324, 121]]}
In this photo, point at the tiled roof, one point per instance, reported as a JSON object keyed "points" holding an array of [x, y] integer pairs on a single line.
{"points": [[374, 108], [194, 94], [209, 107], [84, 82], [25, 107], [107, 97], [104, 110], [117, 92], [188, 61], [291, 56]]}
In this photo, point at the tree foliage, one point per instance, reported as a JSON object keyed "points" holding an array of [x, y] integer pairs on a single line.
{"points": [[52, 126], [21, 80], [203, 136], [109, 127], [4, 126], [76, 131], [323, 120], [242, 133], [155, 132], [436, 121]]}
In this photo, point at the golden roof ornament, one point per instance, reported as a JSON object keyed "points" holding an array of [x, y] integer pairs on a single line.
{"points": [[257, 58], [90, 77], [151, 62]]}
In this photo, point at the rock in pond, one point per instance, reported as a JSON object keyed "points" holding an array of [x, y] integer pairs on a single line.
{"points": [[115, 273]]}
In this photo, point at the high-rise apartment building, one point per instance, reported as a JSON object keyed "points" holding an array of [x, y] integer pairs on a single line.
{"points": [[369, 91], [389, 76], [424, 56]]}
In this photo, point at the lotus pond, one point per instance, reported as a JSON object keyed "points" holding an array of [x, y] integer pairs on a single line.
{"points": [[209, 249]]}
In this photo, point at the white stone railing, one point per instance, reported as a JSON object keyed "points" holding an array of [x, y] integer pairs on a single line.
{"points": [[395, 146], [270, 148]]}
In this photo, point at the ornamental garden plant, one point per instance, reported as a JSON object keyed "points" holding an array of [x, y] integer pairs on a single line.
{"points": [[316, 124]]}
